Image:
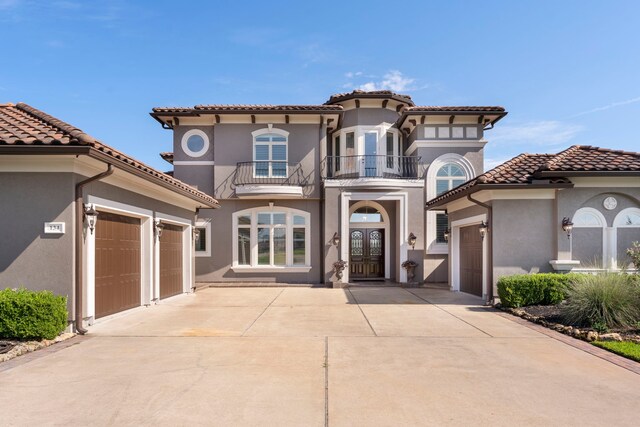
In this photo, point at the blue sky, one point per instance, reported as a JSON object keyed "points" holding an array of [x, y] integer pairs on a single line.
{"points": [[567, 71]]}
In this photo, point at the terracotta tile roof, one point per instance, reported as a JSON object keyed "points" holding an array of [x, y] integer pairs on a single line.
{"points": [[167, 156], [369, 94], [456, 109], [525, 168], [23, 125], [585, 158], [249, 109]]}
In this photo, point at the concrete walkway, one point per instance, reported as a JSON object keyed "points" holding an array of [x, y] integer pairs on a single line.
{"points": [[317, 357]]}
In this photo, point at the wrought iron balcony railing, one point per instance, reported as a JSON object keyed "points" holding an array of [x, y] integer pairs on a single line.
{"points": [[270, 173], [391, 167]]}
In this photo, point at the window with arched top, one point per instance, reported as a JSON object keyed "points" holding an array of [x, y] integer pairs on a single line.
{"points": [[270, 153], [366, 214], [588, 238], [626, 226], [445, 173]]}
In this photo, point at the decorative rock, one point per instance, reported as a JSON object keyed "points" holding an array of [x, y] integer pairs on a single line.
{"points": [[592, 336], [610, 337], [576, 333]]}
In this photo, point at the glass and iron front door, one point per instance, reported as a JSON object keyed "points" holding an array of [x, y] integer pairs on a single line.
{"points": [[366, 253]]}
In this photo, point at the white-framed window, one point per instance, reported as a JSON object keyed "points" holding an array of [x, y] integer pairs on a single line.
{"points": [[267, 237], [451, 132], [202, 238], [367, 150], [195, 143], [270, 153], [445, 173]]}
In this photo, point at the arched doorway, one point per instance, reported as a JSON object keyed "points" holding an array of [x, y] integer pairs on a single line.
{"points": [[368, 237]]}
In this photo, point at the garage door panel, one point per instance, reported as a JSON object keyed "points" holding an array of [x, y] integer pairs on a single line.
{"points": [[171, 256], [471, 269], [118, 266]]}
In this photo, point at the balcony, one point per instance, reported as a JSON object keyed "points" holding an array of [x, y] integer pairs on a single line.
{"points": [[368, 166], [269, 178]]}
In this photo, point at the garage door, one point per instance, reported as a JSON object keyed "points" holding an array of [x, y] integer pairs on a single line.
{"points": [[471, 260], [170, 261], [117, 263]]}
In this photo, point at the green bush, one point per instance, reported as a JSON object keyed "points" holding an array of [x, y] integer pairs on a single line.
{"points": [[604, 299], [530, 289], [26, 314]]}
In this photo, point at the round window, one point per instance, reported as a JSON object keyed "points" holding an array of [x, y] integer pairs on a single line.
{"points": [[195, 143]]}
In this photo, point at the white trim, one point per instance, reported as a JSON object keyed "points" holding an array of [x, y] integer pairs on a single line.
{"points": [[617, 222], [187, 247], [433, 247], [592, 211], [147, 253], [270, 130], [185, 146], [444, 143], [194, 162], [605, 181], [455, 252], [250, 269], [402, 221], [259, 191], [206, 224], [385, 224], [380, 183], [253, 257]]}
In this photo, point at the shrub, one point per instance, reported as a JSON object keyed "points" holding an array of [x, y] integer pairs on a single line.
{"points": [[608, 299], [26, 314], [529, 289], [634, 254]]}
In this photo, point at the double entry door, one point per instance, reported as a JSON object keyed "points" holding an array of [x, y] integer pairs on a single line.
{"points": [[366, 253]]}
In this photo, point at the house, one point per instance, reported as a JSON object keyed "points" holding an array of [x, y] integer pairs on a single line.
{"points": [[303, 186], [578, 210], [84, 220]]}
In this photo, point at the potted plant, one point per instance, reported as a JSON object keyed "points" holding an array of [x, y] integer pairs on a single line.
{"points": [[338, 267], [410, 266]]}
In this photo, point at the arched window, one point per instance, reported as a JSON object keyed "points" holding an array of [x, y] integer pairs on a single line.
{"points": [[270, 153], [588, 238], [445, 173], [366, 214], [626, 231]]}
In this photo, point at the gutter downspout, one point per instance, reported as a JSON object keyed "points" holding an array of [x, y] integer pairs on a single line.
{"points": [[79, 205], [489, 209]]}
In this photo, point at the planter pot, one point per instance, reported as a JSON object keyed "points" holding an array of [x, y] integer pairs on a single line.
{"points": [[411, 274]]}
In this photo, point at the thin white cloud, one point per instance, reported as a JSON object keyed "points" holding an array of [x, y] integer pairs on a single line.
{"points": [[352, 74], [394, 80], [609, 106], [540, 133], [9, 4]]}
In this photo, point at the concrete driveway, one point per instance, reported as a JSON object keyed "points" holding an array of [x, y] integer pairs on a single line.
{"points": [[316, 357]]}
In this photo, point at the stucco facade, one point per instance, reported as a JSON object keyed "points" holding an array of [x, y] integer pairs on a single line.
{"points": [[358, 152]]}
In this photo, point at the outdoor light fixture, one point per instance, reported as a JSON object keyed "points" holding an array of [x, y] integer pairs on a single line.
{"points": [[335, 239], [196, 233], [90, 216], [447, 233], [484, 228], [159, 226], [412, 240], [567, 226]]}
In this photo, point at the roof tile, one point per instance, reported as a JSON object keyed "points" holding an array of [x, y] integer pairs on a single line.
{"points": [[22, 124]]}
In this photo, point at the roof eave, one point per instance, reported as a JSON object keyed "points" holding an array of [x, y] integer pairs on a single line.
{"points": [[556, 174], [480, 187]]}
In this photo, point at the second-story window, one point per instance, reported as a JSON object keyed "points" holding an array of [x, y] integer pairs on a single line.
{"points": [[270, 154]]}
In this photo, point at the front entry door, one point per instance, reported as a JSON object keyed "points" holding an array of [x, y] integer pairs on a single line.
{"points": [[366, 253]]}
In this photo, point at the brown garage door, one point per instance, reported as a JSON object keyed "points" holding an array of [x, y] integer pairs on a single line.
{"points": [[170, 261], [117, 263], [471, 260]]}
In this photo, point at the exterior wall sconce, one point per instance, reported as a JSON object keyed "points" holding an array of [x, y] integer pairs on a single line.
{"points": [[335, 239], [447, 233], [158, 227], [412, 240], [567, 226], [484, 229], [196, 233], [90, 216]]}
